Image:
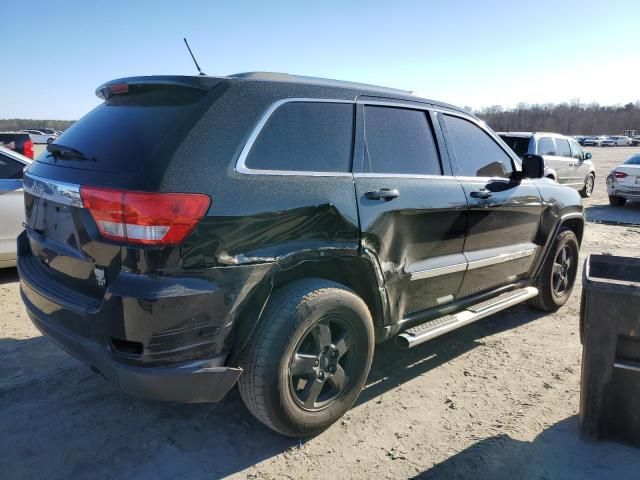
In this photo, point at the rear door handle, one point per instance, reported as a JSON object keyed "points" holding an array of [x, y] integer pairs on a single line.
{"points": [[482, 193], [382, 194]]}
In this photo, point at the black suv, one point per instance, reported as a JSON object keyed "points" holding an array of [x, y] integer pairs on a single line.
{"points": [[194, 232]]}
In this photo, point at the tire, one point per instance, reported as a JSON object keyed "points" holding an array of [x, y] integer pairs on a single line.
{"points": [[296, 323], [589, 183], [50, 140], [550, 298], [615, 201]]}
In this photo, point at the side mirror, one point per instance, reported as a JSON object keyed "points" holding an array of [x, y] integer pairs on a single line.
{"points": [[532, 166], [587, 156]]}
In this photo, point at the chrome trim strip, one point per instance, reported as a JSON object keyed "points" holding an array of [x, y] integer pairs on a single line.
{"points": [[54, 190], [435, 272], [241, 166], [502, 258], [402, 175], [465, 265], [634, 367]]}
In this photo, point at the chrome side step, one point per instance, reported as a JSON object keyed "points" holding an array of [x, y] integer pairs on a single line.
{"points": [[434, 328]]}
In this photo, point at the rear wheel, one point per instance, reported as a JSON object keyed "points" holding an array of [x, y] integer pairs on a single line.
{"points": [[558, 275], [589, 182], [309, 359], [616, 201]]}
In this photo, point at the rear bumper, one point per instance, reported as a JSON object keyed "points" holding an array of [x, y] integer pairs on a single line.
{"points": [[156, 337], [624, 192], [192, 382]]}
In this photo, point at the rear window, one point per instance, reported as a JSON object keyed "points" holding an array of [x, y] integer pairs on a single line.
{"points": [[123, 133], [305, 137], [520, 145]]}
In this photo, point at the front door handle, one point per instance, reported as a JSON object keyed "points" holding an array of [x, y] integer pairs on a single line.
{"points": [[482, 193], [382, 194]]}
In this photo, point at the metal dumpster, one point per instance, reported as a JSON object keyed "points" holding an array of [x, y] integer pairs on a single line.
{"points": [[610, 333]]}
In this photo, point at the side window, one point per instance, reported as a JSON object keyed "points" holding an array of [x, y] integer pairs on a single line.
{"points": [[9, 168], [399, 140], [562, 148], [576, 150], [305, 136], [546, 146], [478, 155]]}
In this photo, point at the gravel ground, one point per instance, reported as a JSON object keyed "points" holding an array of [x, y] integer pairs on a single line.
{"points": [[496, 399]]}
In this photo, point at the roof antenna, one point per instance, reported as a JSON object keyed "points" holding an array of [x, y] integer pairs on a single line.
{"points": [[194, 58]]}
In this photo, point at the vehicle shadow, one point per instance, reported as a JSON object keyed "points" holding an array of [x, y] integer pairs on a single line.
{"points": [[8, 275], [60, 420], [627, 215], [558, 452]]}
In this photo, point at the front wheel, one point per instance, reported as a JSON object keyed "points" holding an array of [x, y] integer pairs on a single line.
{"points": [[309, 358], [589, 182], [558, 274]]}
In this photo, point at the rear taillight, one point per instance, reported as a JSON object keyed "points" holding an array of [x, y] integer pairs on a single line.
{"points": [[145, 218], [27, 149], [620, 174]]}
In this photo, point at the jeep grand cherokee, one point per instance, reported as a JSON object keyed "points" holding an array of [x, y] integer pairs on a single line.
{"points": [[191, 233]]}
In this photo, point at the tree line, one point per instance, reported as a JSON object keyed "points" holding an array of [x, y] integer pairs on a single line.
{"points": [[572, 118], [13, 124]]}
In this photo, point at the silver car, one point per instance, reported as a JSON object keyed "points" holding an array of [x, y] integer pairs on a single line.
{"points": [[564, 160], [616, 141], [623, 183], [12, 165]]}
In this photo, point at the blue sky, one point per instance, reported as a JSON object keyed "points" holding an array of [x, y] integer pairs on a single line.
{"points": [[474, 53]]}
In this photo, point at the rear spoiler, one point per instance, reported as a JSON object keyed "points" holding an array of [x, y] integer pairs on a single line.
{"points": [[199, 82]]}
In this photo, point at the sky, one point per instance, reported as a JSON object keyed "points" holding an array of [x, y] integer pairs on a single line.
{"points": [[469, 53]]}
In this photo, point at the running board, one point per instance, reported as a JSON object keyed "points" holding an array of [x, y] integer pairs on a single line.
{"points": [[434, 328]]}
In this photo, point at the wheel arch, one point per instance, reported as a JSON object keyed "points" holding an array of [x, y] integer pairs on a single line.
{"points": [[354, 272], [576, 225]]}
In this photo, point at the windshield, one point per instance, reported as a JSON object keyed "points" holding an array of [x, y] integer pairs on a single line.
{"points": [[520, 145], [635, 160]]}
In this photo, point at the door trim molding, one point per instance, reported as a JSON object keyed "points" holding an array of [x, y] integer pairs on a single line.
{"points": [[446, 264]]}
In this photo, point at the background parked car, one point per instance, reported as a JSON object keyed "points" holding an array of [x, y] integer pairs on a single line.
{"points": [[565, 161], [623, 183], [593, 141], [12, 165], [20, 142], [635, 141], [616, 141], [39, 136]]}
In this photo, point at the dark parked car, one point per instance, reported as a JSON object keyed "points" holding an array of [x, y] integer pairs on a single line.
{"points": [[266, 229], [564, 160], [18, 142]]}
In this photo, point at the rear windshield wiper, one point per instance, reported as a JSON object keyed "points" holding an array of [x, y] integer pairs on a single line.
{"points": [[69, 153]]}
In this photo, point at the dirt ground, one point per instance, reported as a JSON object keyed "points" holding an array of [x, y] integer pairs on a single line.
{"points": [[497, 399]]}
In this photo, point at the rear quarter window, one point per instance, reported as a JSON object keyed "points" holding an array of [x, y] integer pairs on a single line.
{"points": [[305, 137]]}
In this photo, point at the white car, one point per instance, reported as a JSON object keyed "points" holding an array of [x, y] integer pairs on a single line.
{"points": [[38, 136], [616, 141], [12, 165], [623, 183]]}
